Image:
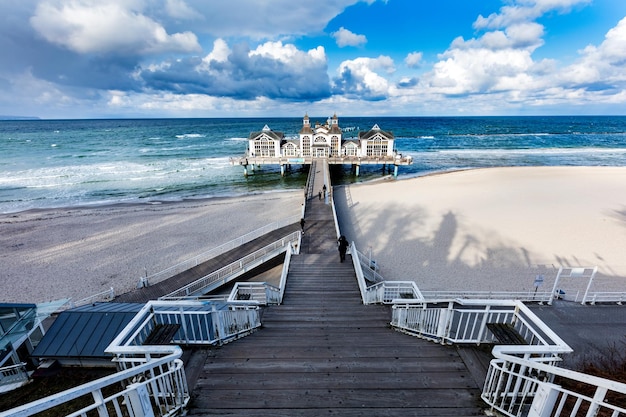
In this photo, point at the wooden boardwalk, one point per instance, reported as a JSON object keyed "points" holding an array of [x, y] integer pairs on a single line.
{"points": [[322, 352]]}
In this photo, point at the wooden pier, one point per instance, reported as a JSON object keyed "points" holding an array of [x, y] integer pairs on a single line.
{"points": [[322, 352]]}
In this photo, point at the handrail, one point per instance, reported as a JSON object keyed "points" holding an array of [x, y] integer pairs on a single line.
{"points": [[101, 296], [212, 253], [233, 269], [526, 296], [521, 377]]}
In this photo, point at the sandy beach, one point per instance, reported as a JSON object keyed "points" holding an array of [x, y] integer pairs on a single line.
{"points": [[487, 229], [74, 253], [493, 229]]}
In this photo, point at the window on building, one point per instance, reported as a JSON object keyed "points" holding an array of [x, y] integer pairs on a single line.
{"points": [[290, 150], [377, 147], [264, 147]]}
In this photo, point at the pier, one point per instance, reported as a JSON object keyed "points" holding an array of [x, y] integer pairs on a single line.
{"points": [[321, 141], [322, 352]]}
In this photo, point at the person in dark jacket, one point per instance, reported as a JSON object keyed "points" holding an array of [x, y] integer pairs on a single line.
{"points": [[343, 247]]}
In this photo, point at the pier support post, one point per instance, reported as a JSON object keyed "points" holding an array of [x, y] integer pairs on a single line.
{"points": [[395, 171], [356, 170], [282, 170], [245, 170]]}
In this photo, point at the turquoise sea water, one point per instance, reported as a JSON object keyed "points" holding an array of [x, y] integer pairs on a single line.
{"points": [[61, 163]]}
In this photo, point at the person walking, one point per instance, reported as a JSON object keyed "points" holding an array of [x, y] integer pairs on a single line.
{"points": [[302, 224], [343, 247]]}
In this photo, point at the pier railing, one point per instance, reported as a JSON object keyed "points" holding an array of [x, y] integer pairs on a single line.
{"points": [[262, 292], [12, 376], [210, 254], [229, 272], [524, 379]]}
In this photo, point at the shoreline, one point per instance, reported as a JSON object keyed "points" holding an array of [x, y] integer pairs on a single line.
{"points": [[138, 202]]}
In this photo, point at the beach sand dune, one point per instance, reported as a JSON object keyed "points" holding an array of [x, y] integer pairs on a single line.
{"points": [[78, 252], [493, 229]]}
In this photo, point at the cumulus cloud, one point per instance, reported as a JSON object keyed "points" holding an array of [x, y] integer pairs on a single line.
{"points": [[413, 59], [344, 37], [273, 69], [524, 11], [500, 59], [89, 26], [360, 78], [601, 67]]}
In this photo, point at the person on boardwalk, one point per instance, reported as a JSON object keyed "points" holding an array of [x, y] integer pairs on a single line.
{"points": [[302, 224], [324, 190], [343, 247]]}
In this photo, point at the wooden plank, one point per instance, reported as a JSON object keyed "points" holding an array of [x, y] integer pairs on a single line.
{"points": [[372, 399], [506, 334]]}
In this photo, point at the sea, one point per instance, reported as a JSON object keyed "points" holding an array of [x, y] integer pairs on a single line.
{"points": [[69, 163]]}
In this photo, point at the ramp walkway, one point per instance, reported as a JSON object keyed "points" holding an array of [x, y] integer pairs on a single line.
{"points": [[153, 292], [322, 352]]}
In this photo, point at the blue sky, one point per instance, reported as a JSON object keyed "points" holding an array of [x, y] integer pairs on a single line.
{"points": [[258, 58]]}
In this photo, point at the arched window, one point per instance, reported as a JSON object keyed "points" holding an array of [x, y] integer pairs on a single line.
{"points": [[289, 149], [264, 147], [350, 149], [377, 147]]}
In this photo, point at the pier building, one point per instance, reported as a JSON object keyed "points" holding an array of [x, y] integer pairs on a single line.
{"points": [[322, 141]]}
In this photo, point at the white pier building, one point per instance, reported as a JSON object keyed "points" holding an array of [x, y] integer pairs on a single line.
{"points": [[324, 141]]}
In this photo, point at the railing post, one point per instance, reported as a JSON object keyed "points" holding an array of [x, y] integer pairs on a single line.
{"points": [[99, 400], [444, 319]]}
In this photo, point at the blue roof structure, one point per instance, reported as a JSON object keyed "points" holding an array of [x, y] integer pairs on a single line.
{"points": [[85, 331]]}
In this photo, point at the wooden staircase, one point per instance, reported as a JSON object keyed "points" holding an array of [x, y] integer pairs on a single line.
{"points": [[324, 353]]}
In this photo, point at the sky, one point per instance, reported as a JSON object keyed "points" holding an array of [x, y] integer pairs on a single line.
{"points": [[73, 59]]}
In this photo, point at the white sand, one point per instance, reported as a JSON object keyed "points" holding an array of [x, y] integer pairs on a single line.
{"points": [[75, 253], [493, 229], [488, 229]]}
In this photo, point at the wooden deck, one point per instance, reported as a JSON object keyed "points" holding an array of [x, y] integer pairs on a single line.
{"points": [[322, 352]]}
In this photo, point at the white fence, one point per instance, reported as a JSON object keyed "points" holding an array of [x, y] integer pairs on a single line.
{"points": [[523, 380], [151, 380], [13, 375], [233, 270], [205, 256]]}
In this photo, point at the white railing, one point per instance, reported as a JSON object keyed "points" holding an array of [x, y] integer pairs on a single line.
{"points": [[151, 380], [233, 270], [135, 399], [13, 375], [390, 292], [606, 297], [205, 256], [103, 296], [526, 296], [523, 380], [261, 293]]}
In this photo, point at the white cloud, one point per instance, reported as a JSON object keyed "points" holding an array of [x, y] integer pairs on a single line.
{"points": [[289, 54], [344, 37], [524, 11], [360, 77], [179, 9], [89, 26], [219, 53], [602, 64], [413, 59]]}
